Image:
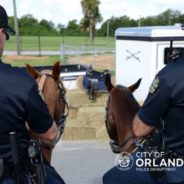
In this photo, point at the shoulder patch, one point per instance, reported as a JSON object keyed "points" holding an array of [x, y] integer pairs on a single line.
{"points": [[154, 85]]}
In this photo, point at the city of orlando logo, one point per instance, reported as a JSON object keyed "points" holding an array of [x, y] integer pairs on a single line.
{"points": [[124, 161]]}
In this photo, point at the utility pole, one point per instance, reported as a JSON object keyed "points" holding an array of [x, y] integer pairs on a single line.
{"points": [[16, 28]]}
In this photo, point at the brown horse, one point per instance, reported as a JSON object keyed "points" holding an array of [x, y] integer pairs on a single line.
{"points": [[120, 112], [52, 88]]}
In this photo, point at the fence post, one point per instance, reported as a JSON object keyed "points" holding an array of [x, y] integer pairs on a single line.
{"points": [[39, 45], [95, 53], [62, 53], [20, 38]]}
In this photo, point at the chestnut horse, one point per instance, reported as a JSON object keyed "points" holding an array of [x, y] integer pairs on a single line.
{"points": [[53, 91], [120, 111]]}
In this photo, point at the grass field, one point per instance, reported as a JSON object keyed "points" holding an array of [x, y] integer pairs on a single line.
{"points": [[99, 64], [47, 43], [20, 61], [54, 42]]}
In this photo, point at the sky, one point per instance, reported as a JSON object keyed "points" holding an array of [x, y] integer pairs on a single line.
{"points": [[61, 11]]}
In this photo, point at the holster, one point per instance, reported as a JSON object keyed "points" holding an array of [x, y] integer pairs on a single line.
{"points": [[154, 144], [36, 167]]}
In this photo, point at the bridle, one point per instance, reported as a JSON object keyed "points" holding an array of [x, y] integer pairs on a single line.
{"points": [[130, 142], [60, 122]]}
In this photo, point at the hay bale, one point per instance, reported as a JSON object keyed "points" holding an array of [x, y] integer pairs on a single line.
{"points": [[79, 133], [86, 117], [101, 133], [79, 98], [91, 116]]}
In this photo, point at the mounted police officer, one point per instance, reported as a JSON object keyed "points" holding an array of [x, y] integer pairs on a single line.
{"points": [[20, 102], [163, 108]]}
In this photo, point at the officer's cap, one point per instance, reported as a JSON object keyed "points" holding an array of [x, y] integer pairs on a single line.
{"points": [[4, 23]]}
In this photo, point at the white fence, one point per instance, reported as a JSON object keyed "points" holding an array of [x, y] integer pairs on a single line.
{"points": [[94, 51]]}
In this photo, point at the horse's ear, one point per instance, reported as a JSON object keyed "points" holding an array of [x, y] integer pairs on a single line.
{"points": [[32, 71], [108, 82], [56, 71], [133, 87]]}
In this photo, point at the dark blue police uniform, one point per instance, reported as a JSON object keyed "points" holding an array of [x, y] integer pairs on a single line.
{"points": [[165, 100], [19, 102]]}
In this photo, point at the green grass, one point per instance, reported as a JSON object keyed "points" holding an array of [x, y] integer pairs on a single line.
{"points": [[37, 61], [40, 61], [49, 43], [54, 42]]}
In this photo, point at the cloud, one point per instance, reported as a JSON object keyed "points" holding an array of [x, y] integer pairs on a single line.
{"points": [[61, 11], [109, 9]]}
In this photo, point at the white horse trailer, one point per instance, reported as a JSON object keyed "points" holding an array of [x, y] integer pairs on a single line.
{"points": [[142, 51]]}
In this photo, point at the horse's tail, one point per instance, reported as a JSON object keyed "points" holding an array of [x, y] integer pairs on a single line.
{"points": [[108, 82]]}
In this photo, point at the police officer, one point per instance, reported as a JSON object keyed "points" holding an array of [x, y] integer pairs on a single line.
{"points": [[20, 102], [165, 101]]}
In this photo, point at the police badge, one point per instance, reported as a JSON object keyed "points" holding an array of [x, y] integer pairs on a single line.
{"points": [[154, 85]]}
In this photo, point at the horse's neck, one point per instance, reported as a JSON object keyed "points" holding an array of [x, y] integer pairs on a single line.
{"points": [[125, 115], [53, 99], [49, 93]]}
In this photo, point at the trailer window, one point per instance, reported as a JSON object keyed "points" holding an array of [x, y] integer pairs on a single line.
{"points": [[166, 53]]}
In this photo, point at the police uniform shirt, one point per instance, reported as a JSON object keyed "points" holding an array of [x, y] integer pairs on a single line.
{"points": [[20, 102], [166, 100]]}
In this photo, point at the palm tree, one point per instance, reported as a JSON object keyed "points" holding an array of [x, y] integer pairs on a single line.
{"points": [[91, 17]]}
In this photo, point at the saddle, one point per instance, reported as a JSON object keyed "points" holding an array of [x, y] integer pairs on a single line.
{"points": [[94, 81]]}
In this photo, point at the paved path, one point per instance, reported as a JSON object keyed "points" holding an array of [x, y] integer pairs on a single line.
{"points": [[83, 162]]}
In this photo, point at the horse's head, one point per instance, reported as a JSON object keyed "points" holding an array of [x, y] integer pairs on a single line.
{"points": [[52, 88], [120, 111]]}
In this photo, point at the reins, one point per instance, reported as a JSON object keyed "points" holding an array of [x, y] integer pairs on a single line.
{"points": [[60, 122]]}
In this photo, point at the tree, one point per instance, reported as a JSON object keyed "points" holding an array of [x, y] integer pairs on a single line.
{"points": [[72, 29], [46, 28], [168, 17], [11, 21], [114, 23], [28, 25], [60, 28], [91, 17], [45, 24], [72, 24]]}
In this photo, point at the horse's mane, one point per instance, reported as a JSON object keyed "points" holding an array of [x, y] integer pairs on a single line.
{"points": [[132, 99], [108, 82], [46, 72]]}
